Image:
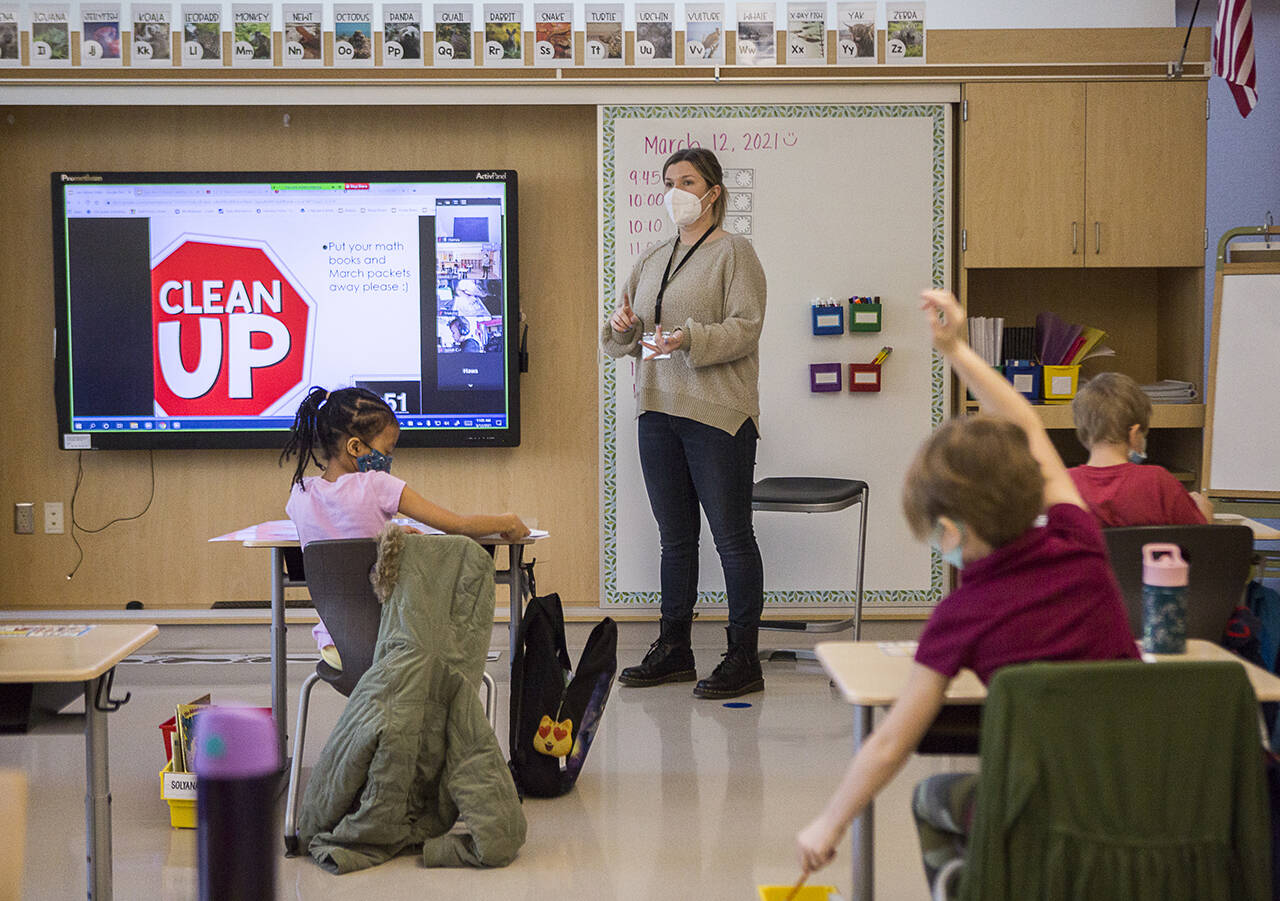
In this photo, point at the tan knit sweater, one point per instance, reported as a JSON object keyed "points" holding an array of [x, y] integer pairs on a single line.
{"points": [[718, 298]]}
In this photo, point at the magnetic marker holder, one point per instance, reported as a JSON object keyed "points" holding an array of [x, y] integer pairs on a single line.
{"points": [[864, 377], [866, 314], [827, 316], [824, 377]]}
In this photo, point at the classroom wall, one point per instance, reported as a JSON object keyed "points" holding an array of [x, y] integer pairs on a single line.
{"points": [[162, 558], [1243, 171]]}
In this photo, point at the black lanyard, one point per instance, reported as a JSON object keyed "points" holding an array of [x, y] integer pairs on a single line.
{"points": [[668, 275]]}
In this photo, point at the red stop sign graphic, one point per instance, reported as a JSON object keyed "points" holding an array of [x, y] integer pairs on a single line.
{"points": [[229, 330]]}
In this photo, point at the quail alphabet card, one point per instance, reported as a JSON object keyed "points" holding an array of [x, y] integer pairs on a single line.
{"points": [[50, 34], [303, 25], [152, 34], [855, 34], [553, 39], [655, 37], [453, 36], [100, 34], [202, 34], [504, 34], [251, 42], [353, 34], [402, 34], [603, 34], [704, 34]]}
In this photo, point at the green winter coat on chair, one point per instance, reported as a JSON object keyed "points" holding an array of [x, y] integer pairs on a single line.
{"points": [[413, 752], [1126, 781]]}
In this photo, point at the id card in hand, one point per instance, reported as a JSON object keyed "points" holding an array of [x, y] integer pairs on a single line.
{"points": [[646, 350]]}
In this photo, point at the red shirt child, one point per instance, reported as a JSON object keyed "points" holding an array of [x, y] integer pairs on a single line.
{"points": [[1047, 595], [1129, 494]]}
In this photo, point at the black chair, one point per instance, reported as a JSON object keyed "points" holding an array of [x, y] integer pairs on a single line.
{"points": [[338, 578], [803, 494], [1219, 557]]}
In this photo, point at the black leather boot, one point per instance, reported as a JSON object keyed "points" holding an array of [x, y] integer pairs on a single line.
{"points": [[739, 672], [670, 658]]}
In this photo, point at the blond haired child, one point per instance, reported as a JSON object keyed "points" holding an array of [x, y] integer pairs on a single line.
{"points": [[1026, 592], [1112, 415]]}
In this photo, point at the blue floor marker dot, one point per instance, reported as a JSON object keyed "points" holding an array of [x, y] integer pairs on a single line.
{"points": [[737, 705]]}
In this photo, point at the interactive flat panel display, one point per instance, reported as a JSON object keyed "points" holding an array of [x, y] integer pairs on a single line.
{"points": [[195, 309]]}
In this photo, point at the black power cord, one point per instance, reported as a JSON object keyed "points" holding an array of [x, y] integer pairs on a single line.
{"points": [[151, 456]]}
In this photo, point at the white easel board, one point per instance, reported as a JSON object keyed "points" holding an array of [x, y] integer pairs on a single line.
{"points": [[1242, 415], [838, 200]]}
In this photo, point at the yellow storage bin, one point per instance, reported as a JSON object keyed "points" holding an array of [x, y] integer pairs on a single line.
{"points": [[179, 791], [806, 893], [1060, 382]]}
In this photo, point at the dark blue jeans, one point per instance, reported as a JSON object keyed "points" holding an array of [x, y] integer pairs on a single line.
{"points": [[687, 464]]}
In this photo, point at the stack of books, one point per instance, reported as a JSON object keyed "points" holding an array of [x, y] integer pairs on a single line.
{"points": [[986, 337], [1171, 391]]}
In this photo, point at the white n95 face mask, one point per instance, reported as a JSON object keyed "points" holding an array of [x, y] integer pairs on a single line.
{"points": [[683, 207]]}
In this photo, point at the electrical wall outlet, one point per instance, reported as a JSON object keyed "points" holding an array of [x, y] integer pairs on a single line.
{"points": [[53, 518], [24, 519]]}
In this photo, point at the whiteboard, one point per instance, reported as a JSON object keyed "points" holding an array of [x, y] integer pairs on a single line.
{"points": [[838, 200], [1242, 456]]}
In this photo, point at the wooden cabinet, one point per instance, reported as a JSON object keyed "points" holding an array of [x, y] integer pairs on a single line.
{"points": [[1083, 174]]}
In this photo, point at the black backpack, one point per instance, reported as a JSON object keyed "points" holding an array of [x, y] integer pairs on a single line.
{"points": [[554, 710]]}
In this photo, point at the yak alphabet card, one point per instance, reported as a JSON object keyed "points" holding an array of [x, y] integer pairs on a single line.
{"points": [[855, 34]]}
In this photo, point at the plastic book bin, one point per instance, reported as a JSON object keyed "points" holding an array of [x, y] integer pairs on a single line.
{"points": [[1059, 382], [179, 792]]}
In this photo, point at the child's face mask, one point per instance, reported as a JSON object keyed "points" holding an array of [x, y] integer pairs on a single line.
{"points": [[954, 557], [374, 461]]}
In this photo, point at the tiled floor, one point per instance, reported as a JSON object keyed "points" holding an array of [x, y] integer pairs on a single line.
{"points": [[680, 798]]}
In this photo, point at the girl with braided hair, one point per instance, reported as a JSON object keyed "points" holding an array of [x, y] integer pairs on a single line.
{"points": [[351, 434]]}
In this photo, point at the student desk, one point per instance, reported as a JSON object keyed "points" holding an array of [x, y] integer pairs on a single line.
{"points": [[88, 658], [277, 535], [870, 674]]}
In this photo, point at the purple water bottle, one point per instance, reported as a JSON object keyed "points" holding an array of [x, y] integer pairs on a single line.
{"points": [[1164, 601], [237, 766]]}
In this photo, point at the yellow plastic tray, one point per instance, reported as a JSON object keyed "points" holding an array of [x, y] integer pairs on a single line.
{"points": [[182, 810], [806, 893]]}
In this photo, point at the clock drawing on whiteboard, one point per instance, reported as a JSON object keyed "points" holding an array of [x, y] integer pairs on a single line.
{"points": [[739, 178], [737, 225], [740, 201]]}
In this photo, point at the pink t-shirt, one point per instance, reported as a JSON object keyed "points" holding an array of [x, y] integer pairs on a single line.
{"points": [[355, 505], [1128, 494], [1047, 595]]}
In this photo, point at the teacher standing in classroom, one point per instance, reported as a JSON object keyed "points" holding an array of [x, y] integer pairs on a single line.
{"points": [[691, 311]]}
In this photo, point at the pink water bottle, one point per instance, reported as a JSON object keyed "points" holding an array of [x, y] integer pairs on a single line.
{"points": [[1164, 599]]}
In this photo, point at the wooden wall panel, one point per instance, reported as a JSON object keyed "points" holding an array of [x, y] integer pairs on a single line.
{"points": [[162, 558]]}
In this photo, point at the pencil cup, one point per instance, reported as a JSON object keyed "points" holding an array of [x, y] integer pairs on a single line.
{"points": [[828, 319], [865, 317], [237, 764], [864, 376], [824, 377]]}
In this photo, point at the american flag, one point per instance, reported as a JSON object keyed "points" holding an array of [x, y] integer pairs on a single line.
{"points": [[1233, 52]]}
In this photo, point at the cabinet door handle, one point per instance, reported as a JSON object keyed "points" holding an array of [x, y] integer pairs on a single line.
{"points": [[1075, 243], [1097, 236]]}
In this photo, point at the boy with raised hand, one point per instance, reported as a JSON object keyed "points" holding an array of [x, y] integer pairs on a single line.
{"points": [[1026, 593]]}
